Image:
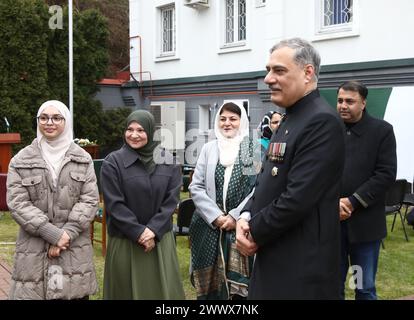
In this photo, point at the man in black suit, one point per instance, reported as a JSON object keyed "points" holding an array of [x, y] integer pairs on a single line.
{"points": [[370, 169], [291, 222]]}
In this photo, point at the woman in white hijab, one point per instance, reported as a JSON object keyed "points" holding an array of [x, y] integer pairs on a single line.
{"points": [[54, 142], [221, 185], [53, 196]]}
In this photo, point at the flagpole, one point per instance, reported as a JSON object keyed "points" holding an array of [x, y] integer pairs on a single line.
{"points": [[70, 7]]}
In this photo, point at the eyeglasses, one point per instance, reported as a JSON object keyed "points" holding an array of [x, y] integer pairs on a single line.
{"points": [[349, 102], [45, 119], [275, 122]]}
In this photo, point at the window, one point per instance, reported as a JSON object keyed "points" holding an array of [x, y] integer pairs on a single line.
{"points": [[337, 12], [235, 21], [336, 18], [167, 30]]}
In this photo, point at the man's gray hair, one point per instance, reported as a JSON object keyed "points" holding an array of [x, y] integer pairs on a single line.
{"points": [[305, 53]]}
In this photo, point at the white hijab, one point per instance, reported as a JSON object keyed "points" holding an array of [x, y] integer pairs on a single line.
{"points": [[229, 147], [53, 151]]}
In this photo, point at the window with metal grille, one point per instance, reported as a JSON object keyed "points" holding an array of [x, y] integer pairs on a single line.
{"points": [[336, 12], [336, 19], [235, 21], [167, 30]]}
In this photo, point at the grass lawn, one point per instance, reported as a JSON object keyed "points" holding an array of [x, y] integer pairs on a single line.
{"points": [[395, 276]]}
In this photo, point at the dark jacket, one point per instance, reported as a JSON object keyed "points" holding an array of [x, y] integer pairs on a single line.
{"points": [[134, 199], [370, 169], [295, 214]]}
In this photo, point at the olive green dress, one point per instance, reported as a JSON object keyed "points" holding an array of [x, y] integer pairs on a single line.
{"points": [[136, 275]]}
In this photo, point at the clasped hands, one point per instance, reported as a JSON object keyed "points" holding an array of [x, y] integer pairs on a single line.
{"points": [[225, 222], [147, 240], [244, 241], [62, 244]]}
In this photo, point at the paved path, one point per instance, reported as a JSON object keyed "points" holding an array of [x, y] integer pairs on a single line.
{"points": [[5, 274]]}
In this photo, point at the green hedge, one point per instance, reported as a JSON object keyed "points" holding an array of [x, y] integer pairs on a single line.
{"points": [[34, 68]]}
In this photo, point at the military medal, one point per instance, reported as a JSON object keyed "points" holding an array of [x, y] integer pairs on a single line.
{"points": [[276, 151], [274, 171]]}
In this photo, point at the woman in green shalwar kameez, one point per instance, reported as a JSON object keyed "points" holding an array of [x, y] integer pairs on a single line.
{"points": [[140, 197], [221, 185]]}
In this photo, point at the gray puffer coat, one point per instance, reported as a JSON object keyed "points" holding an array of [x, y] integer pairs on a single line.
{"points": [[43, 213]]}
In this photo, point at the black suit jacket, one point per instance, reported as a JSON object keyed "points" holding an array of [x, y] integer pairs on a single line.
{"points": [[295, 215], [370, 169]]}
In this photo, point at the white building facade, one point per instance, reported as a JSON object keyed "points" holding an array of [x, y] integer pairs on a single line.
{"points": [[196, 54]]}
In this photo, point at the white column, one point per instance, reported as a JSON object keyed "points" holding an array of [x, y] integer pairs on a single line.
{"points": [[71, 60]]}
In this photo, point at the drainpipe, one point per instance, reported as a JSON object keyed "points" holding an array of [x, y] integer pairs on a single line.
{"points": [[140, 55], [141, 89]]}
